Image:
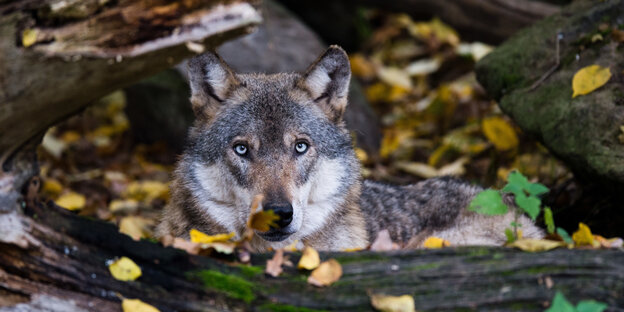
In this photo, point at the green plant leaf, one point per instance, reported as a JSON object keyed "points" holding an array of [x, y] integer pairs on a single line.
{"points": [[530, 205], [591, 306], [560, 304], [517, 184], [510, 235], [488, 202], [537, 189], [566, 237], [548, 220]]}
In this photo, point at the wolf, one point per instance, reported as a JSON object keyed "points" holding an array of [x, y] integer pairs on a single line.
{"points": [[282, 136]]}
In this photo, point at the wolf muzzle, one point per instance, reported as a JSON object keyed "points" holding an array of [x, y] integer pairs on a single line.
{"points": [[279, 232], [283, 211]]}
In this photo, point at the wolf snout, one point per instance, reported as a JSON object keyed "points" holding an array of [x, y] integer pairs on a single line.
{"points": [[284, 211]]}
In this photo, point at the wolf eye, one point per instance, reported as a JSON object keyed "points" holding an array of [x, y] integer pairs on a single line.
{"points": [[301, 147], [240, 149]]}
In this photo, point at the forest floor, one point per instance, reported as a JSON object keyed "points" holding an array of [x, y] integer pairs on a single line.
{"points": [[419, 78]]}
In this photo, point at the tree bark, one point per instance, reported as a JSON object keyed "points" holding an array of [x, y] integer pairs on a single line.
{"points": [[56, 56], [54, 259], [490, 21]]}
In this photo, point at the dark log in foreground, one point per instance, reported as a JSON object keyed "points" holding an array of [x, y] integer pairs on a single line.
{"points": [[490, 21], [53, 258], [57, 56]]}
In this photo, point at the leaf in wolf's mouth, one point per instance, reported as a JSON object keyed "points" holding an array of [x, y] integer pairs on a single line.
{"points": [[263, 220]]}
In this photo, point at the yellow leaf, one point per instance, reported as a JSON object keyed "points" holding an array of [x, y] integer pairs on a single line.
{"points": [[52, 187], [70, 137], [136, 305], [29, 37], [403, 303], [326, 274], [534, 245], [584, 236], [72, 201], [589, 78], [500, 133], [361, 67], [263, 220], [433, 242], [147, 190], [310, 259], [394, 77], [124, 269], [136, 227], [118, 205], [361, 154], [202, 238], [392, 140]]}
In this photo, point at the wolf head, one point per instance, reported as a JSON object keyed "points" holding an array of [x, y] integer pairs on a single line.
{"points": [[281, 136]]}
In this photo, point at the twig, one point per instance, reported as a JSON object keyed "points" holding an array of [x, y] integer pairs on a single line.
{"points": [[552, 69]]}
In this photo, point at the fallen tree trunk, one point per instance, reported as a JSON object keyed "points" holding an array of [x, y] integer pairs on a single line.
{"points": [[56, 56], [54, 259], [490, 21]]}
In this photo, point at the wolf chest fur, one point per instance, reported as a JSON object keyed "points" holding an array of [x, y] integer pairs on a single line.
{"points": [[282, 136]]}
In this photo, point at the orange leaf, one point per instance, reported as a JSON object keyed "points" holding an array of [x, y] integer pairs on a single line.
{"points": [[326, 274]]}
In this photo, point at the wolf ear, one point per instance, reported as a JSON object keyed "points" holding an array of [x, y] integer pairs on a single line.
{"points": [[211, 82], [327, 80]]}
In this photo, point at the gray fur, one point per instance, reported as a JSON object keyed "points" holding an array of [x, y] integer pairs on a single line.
{"points": [[213, 187]]}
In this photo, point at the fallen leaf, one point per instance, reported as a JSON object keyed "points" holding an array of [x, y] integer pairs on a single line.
{"points": [[136, 305], [53, 145], [589, 78], [29, 37], [202, 238], [136, 227], [384, 303], [72, 201], [188, 246], [263, 220], [310, 259], [433, 242], [535, 245], [418, 169], [423, 67], [383, 242], [147, 190], [361, 67], [615, 242], [274, 265], [583, 236], [123, 205], [500, 133], [124, 269], [326, 274], [395, 77], [52, 187], [195, 47]]}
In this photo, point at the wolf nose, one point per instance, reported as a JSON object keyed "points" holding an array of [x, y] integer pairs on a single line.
{"points": [[284, 211]]}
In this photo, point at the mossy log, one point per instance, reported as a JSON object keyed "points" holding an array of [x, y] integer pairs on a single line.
{"points": [[584, 130], [53, 260], [56, 56]]}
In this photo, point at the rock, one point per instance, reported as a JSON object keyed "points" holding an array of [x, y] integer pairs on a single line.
{"points": [[281, 43], [582, 131]]}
